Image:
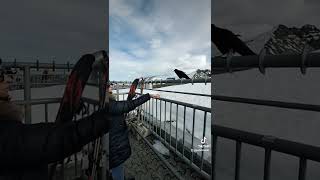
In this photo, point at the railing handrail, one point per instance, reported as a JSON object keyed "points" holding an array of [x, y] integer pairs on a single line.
{"points": [[38, 101], [202, 108], [275, 61], [279, 104], [184, 81], [35, 65], [270, 142], [181, 81], [92, 101], [50, 101], [179, 92]]}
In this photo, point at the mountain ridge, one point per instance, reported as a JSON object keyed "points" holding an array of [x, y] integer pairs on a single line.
{"points": [[282, 39]]}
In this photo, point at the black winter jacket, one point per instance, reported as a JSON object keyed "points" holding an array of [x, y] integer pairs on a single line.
{"points": [[27, 149], [119, 145]]}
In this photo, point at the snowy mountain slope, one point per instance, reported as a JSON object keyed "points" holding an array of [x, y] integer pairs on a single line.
{"points": [[287, 40], [282, 40]]}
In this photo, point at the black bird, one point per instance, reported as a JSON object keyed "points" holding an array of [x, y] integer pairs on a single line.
{"points": [[181, 74], [226, 41]]}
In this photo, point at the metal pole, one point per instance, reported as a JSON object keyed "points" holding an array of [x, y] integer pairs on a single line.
{"points": [[46, 112], [118, 93], [27, 94]]}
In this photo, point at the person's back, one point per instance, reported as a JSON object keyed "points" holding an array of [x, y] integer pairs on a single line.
{"points": [[120, 149], [119, 145]]}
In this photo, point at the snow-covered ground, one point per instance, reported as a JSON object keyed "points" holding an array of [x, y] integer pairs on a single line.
{"points": [[92, 92]]}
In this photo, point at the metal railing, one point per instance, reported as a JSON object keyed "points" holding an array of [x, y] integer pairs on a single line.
{"points": [[29, 79], [151, 120], [37, 78], [37, 65], [170, 136], [303, 151], [196, 161], [38, 81], [179, 81], [262, 61], [167, 120], [162, 83], [27, 84], [91, 105]]}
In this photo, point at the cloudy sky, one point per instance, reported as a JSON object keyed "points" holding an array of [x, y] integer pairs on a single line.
{"points": [[153, 37], [52, 29], [251, 17]]}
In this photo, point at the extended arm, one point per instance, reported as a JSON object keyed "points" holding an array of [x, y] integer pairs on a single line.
{"points": [[121, 107], [22, 145]]}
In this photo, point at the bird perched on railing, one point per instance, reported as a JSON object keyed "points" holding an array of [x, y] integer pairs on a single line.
{"points": [[227, 42], [181, 74]]}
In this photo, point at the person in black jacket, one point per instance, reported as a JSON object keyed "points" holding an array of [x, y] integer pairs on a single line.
{"points": [[119, 145], [27, 149]]}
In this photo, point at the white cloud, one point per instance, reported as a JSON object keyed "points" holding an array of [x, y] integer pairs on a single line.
{"points": [[155, 43], [252, 17], [172, 35]]}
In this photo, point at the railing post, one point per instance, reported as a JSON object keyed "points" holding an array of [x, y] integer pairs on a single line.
{"points": [[192, 135], [160, 118], [62, 170], [156, 116], [46, 112], [170, 121], [177, 117], [302, 168], [140, 107], [117, 89], [238, 159], [184, 129], [27, 94], [164, 121], [267, 162], [214, 151]]}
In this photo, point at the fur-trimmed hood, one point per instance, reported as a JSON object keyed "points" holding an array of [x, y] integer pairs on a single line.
{"points": [[11, 111]]}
